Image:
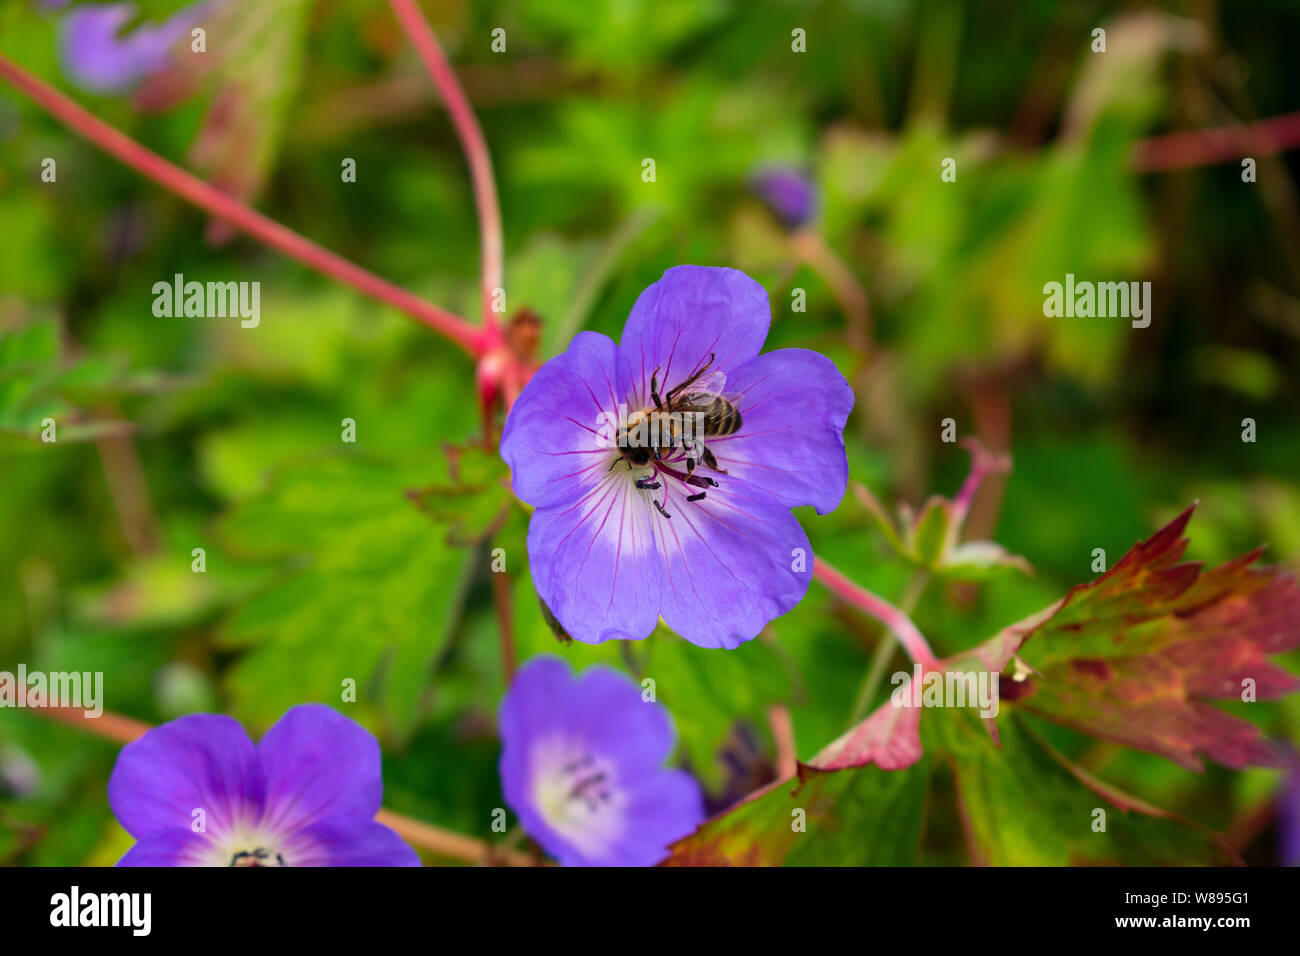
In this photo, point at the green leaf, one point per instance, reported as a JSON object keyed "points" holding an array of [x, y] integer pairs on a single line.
{"points": [[866, 817], [708, 691], [928, 537], [369, 590], [38, 381], [1024, 805], [980, 561], [475, 502]]}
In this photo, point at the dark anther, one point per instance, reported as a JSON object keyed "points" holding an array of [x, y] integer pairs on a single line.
{"points": [[661, 510], [698, 497], [647, 483]]}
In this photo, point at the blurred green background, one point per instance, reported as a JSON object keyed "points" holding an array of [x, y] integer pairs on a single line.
{"points": [[319, 568]]}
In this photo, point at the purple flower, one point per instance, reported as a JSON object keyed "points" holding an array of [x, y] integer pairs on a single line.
{"points": [[582, 767], [98, 59], [699, 533], [197, 792], [790, 194]]}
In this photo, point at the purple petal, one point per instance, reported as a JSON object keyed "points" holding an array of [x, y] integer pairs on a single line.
{"points": [[170, 847], [365, 844], [203, 761], [529, 711], [790, 194], [551, 439], [320, 767], [606, 709], [794, 406], [666, 807], [99, 59], [734, 561], [692, 312], [595, 562]]}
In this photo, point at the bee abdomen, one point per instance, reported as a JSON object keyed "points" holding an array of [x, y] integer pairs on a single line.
{"points": [[721, 418]]}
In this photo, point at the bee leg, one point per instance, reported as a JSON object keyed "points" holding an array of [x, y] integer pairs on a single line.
{"points": [[692, 380], [661, 510], [654, 388], [698, 497], [711, 461]]}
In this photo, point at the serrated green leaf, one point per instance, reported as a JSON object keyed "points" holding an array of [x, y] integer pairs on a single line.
{"points": [[866, 817], [370, 593]]}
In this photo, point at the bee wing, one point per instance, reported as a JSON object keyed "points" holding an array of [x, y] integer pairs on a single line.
{"points": [[710, 383]]}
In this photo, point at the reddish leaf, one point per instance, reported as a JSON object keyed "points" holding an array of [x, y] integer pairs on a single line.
{"points": [[1133, 657], [890, 738]]}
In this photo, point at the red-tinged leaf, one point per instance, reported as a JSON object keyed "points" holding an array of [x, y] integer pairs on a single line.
{"points": [[890, 738], [1133, 657], [1136, 655]]}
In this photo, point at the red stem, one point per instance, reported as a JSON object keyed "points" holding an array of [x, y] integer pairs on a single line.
{"points": [[219, 204], [470, 133], [1222, 144], [894, 618]]}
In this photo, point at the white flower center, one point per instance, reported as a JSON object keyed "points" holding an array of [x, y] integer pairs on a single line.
{"points": [[246, 845], [577, 794]]}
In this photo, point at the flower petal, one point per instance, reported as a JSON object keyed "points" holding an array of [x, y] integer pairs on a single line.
{"points": [[680, 320], [789, 193], [339, 844], [529, 711], [666, 808], [200, 762], [320, 767], [595, 561], [99, 58], [174, 846], [794, 404], [606, 710], [552, 439], [733, 562]]}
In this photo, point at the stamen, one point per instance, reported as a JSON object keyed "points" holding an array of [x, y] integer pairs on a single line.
{"points": [[260, 856]]}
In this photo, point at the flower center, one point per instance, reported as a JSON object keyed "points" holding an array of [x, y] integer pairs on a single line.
{"points": [[259, 856], [247, 844], [576, 793]]}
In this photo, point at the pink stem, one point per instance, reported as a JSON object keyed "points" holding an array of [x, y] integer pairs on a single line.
{"points": [[1222, 144], [219, 204], [462, 115], [983, 463], [877, 607]]}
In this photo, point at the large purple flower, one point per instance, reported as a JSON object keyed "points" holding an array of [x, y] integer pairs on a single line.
{"points": [[305, 796], [582, 767], [100, 58], [699, 533]]}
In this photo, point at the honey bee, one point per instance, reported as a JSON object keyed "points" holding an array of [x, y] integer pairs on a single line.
{"points": [[688, 413]]}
